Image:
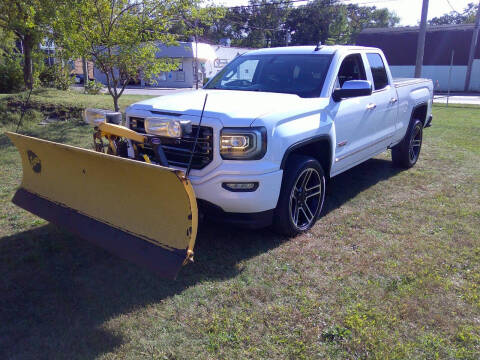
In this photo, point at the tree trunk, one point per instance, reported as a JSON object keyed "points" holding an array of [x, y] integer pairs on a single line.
{"points": [[85, 74], [28, 43], [115, 103]]}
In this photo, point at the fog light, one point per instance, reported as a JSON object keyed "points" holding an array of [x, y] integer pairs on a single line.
{"points": [[240, 186]]}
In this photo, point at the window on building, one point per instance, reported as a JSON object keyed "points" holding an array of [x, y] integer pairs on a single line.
{"points": [[179, 73], [380, 78], [351, 69], [179, 76], [179, 62]]}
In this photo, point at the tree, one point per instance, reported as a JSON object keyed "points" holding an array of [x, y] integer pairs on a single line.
{"points": [[361, 17], [260, 24], [194, 20], [466, 17], [11, 74], [30, 21], [266, 23], [231, 26], [332, 22], [315, 21], [119, 36]]}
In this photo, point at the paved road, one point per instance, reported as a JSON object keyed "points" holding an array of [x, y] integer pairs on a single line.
{"points": [[153, 91], [457, 99], [140, 91], [473, 98]]}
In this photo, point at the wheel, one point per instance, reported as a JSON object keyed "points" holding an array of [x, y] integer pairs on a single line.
{"points": [[301, 196], [405, 154]]}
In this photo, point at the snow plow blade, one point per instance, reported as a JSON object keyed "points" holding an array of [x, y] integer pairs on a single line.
{"points": [[144, 213]]}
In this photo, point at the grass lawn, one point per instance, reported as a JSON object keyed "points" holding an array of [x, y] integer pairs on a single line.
{"points": [[391, 271]]}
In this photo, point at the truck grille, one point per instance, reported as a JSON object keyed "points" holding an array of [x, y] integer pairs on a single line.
{"points": [[178, 151]]}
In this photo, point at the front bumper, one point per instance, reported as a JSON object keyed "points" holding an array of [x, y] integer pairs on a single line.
{"points": [[264, 198], [214, 213]]}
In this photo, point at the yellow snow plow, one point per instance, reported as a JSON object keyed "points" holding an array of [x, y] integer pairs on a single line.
{"points": [[133, 207]]}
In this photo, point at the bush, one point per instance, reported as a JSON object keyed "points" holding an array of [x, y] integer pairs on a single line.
{"points": [[56, 76], [11, 76], [93, 87], [47, 77]]}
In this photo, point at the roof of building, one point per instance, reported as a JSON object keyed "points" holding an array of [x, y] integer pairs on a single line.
{"points": [[400, 44], [406, 29], [188, 50]]}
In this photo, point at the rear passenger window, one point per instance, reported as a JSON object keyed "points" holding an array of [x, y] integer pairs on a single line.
{"points": [[380, 79]]}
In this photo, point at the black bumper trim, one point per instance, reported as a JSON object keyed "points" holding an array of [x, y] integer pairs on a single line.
{"points": [[215, 213]]}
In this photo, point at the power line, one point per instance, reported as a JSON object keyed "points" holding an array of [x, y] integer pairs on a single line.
{"points": [[448, 1], [352, 2], [266, 4], [347, 2]]}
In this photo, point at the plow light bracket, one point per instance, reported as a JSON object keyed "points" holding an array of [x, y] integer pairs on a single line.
{"points": [[96, 117]]}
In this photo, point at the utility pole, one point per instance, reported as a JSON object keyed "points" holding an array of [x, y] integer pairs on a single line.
{"points": [[473, 46], [85, 73], [421, 40]]}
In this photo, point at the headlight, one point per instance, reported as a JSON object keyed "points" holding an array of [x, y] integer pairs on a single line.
{"points": [[163, 127], [96, 117], [243, 143]]}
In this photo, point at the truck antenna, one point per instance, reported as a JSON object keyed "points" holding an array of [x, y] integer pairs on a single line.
{"points": [[196, 138], [319, 46]]}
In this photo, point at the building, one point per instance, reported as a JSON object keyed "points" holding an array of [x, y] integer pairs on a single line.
{"points": [[442, 42], [49, 49], [211, 59]]}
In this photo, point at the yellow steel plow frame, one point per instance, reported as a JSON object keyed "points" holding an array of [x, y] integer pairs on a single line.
{"points": [[141, 212]]}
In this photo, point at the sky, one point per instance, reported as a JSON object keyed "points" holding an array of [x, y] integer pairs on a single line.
{"points": [[409, 11]]}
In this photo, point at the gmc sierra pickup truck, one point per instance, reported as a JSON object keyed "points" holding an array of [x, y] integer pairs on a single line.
{"points": [[278, 122]]}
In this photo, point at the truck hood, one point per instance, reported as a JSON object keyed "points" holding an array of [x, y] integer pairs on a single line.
{"points": [[231, 107]]}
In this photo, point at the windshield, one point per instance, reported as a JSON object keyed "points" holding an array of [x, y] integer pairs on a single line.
{"points": [[300, 74]]}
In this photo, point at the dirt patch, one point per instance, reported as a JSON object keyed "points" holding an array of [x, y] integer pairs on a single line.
{"points": [[51, 111]]}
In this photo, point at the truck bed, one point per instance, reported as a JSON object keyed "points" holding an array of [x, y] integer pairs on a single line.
{"points": [[399, 82]]}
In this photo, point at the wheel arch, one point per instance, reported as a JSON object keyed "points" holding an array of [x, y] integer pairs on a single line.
{"points": [[420, 112], [319, 147]]}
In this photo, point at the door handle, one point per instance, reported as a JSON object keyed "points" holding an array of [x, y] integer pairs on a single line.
{"points": [[393, 100], [371, 106]]}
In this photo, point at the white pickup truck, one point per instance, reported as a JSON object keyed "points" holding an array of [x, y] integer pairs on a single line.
{"points": [[279, 121]]}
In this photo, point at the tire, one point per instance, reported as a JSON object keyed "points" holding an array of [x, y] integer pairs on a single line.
{"points": [[299, 207], [406, 153]]}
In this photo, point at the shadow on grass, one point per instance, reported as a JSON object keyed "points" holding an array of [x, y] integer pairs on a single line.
{"points": [[349, 184], [57, 291]]}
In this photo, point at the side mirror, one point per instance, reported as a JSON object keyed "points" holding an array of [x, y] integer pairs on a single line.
{"points": [[352, 88]]}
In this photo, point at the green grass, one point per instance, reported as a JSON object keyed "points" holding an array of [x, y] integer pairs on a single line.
{"points": [[71, 98], [391, 271]]}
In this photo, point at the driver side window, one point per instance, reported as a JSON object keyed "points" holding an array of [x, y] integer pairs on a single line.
{"points": [[351, 69]]}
